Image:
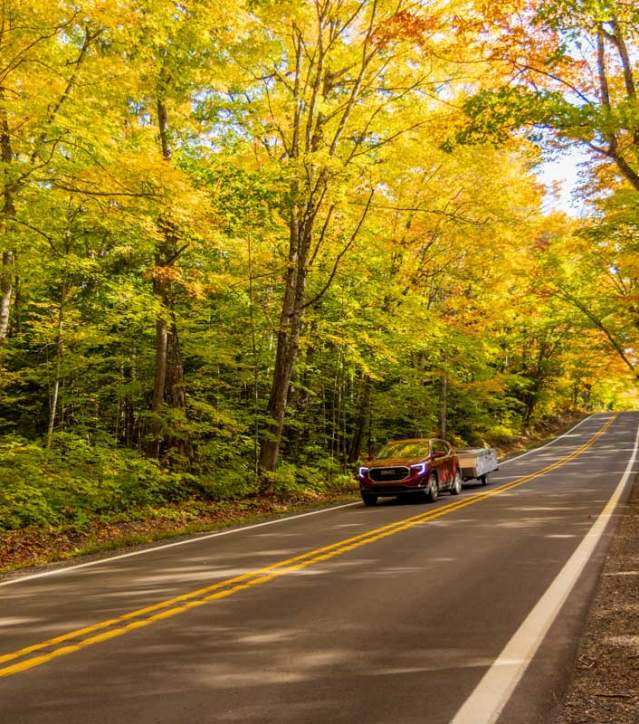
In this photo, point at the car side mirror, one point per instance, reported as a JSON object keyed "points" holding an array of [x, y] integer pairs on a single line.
{"points": [[437, 454]]}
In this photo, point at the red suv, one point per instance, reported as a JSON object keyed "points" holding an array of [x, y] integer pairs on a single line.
{"points": [[422, 465]]}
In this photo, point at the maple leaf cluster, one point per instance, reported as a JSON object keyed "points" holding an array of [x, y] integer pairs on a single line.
{"points": [[405, 26]]}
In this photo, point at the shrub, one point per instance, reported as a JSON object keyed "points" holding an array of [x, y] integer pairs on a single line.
{"points": [[75, 481]]}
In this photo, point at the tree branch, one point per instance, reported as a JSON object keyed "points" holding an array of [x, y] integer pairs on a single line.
{"points": [[567, 296], [340, 256]]}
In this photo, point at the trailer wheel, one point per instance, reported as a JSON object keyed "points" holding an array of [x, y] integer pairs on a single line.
{"points": [[484, 480]]}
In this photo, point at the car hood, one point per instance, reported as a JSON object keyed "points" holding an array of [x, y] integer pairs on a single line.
{"points": [[396, 462]]}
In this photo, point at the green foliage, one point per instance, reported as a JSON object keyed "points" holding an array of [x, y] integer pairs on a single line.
{"points": [[74, 482], [494, 115]]}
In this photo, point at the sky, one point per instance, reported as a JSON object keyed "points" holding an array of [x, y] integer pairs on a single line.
{"points": [[560, 176]]}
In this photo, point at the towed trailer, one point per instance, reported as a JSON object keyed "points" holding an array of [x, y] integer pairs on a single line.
{"points": [[476, 463]]}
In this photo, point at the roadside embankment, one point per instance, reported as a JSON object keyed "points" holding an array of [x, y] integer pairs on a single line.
{"points": [[605, 684]]}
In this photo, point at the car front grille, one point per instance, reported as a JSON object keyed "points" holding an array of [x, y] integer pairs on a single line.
{"points": [[388, 475]]}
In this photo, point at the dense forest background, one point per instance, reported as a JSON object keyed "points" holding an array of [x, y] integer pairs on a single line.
{"points": [[244, 243]]}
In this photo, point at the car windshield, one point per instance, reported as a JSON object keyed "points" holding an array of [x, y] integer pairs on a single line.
{"points": [[404, 449]]}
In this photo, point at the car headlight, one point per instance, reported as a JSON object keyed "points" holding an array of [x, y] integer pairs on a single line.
{"points": [[419, 469], [363, 472]]}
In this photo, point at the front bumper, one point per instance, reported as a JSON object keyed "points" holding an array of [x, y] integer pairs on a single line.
{"points": [[384, 490]]}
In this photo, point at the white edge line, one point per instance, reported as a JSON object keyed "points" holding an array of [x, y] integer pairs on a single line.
{"points": [[550, 442], [490, 696], [66, 569]]}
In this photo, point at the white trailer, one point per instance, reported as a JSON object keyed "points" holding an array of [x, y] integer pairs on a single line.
{"points": [[477, 462]]}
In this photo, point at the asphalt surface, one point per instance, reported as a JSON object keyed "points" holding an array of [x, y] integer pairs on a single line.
{"points": [[397, 625]]}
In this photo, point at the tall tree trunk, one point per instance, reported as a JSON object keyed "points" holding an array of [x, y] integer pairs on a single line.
{"points": [[161, 361], [6, 293], [361, 419], [288, 336], [8, 214], [53, 405], [256, 369], [176, 389], [443, 411], [168, 381], [287, 348], [297, 436], [59, 351], [125, 425], [532, 396]]}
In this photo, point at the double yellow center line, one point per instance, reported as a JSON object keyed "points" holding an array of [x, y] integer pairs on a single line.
{"points": [[44, 651]]}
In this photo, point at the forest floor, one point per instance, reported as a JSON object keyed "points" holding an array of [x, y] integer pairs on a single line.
{"points": [[605, 683], [36, 546]]}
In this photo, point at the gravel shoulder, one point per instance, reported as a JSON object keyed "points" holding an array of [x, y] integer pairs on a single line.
{"points": [[605, 684]]}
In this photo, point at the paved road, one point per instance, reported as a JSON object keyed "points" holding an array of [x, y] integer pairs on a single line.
{"points": [[396, 613]]}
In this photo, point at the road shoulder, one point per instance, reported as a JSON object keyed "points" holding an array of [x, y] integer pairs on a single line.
{"points": [[605, 682]]}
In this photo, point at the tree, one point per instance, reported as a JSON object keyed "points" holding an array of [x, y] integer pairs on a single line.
{"points": [[341, 84], [39, 79], [570, 68]]}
